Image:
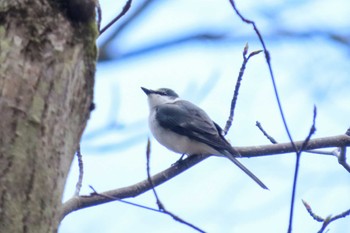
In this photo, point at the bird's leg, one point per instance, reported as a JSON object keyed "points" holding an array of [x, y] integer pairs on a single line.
{"points": [[179, 160]]}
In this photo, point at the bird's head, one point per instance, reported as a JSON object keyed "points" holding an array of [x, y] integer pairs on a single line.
{"points": [[160, 96]]}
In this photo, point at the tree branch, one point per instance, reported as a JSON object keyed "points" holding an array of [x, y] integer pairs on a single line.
{"points": [[342, 158], [297, 165], [326, 221], [281, 148], [238, 85], [268, 61], [80, 202], [81, 172], [121, 14], [161, 207]]}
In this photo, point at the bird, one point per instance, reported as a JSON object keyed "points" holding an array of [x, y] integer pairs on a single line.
{"points": [[185, 128]]}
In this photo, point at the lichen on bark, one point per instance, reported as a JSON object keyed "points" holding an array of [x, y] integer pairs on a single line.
{"points": [[46, 88]]}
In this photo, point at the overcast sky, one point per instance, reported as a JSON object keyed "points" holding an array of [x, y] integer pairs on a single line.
{"points": [[309, 45]]}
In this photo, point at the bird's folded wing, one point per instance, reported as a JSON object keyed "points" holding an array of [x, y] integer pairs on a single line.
{"points": [[189, 120]]}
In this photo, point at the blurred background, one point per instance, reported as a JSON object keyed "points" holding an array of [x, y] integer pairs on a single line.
{"points": [[195, 48]]}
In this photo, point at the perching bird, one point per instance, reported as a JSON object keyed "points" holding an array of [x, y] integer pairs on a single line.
{"points": [[185, 128]]}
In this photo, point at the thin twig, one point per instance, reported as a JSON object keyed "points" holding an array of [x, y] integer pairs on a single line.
{"points": [[271, 139], [81, 172], [296, 171], [122, 13], [342, 157], [348, 132], [161, 207], [268, 61], [238, 84], [312, 214], [99, 15], [342, 154], [148, 156], [95, 193], [311, 132], [320, 152], [133, 15], [326, 221]]}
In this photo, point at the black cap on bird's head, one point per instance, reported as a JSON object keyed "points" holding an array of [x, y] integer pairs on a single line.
{"points": [[161, 91]]}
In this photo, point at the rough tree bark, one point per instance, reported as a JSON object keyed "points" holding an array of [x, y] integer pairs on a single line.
{"points": [[47, 66]]}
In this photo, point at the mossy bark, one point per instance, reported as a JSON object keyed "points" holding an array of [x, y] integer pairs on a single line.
{"points": [[47, 66]]}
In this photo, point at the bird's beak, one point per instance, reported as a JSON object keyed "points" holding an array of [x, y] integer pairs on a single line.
{"points": [[147, 91]]}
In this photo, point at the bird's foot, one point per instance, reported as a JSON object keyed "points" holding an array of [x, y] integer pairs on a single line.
{"points": [[179, 160]]}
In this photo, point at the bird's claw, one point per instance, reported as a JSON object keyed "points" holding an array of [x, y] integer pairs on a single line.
{"points": [[179, 160]]}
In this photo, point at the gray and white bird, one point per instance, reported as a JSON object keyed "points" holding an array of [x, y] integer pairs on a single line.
{"points": [[183, 127]]}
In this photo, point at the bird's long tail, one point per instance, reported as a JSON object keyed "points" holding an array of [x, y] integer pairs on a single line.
{"points": [[243, 168]]}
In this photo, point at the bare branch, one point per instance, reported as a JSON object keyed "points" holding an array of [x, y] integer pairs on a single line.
{"points": [[298, 152], [161, 207], [342, 158], [341, 154], [166, 43], [271, 139], [326, 221], [348, 132], [281, 148], [238, 84], [81, 202], [268, 61], [99, 15], [311, 132], [81, 172], [131, 17], [296, 171], [123, 12], [312, 214], [148, 156], [95, 193], [120, 200]]}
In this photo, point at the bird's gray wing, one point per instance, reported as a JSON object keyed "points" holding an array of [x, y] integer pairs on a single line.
{"points": [[187, 119]]}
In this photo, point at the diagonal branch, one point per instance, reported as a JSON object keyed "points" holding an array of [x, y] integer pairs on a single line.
{"points": [[238, 84], [326, 221], [121, 14], [161, 207], [268, 61], [81, 202]]}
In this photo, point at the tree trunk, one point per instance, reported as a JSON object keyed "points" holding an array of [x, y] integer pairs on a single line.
{"points": [[47, 66]]}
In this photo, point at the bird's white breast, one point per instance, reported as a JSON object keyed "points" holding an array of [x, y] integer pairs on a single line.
{"points": [[176, 142]]}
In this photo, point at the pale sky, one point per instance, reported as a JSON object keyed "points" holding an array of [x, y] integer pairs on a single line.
{"points": [[215, 195]]}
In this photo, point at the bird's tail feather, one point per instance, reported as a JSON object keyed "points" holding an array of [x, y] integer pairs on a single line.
{"points": [[243, 168]]}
